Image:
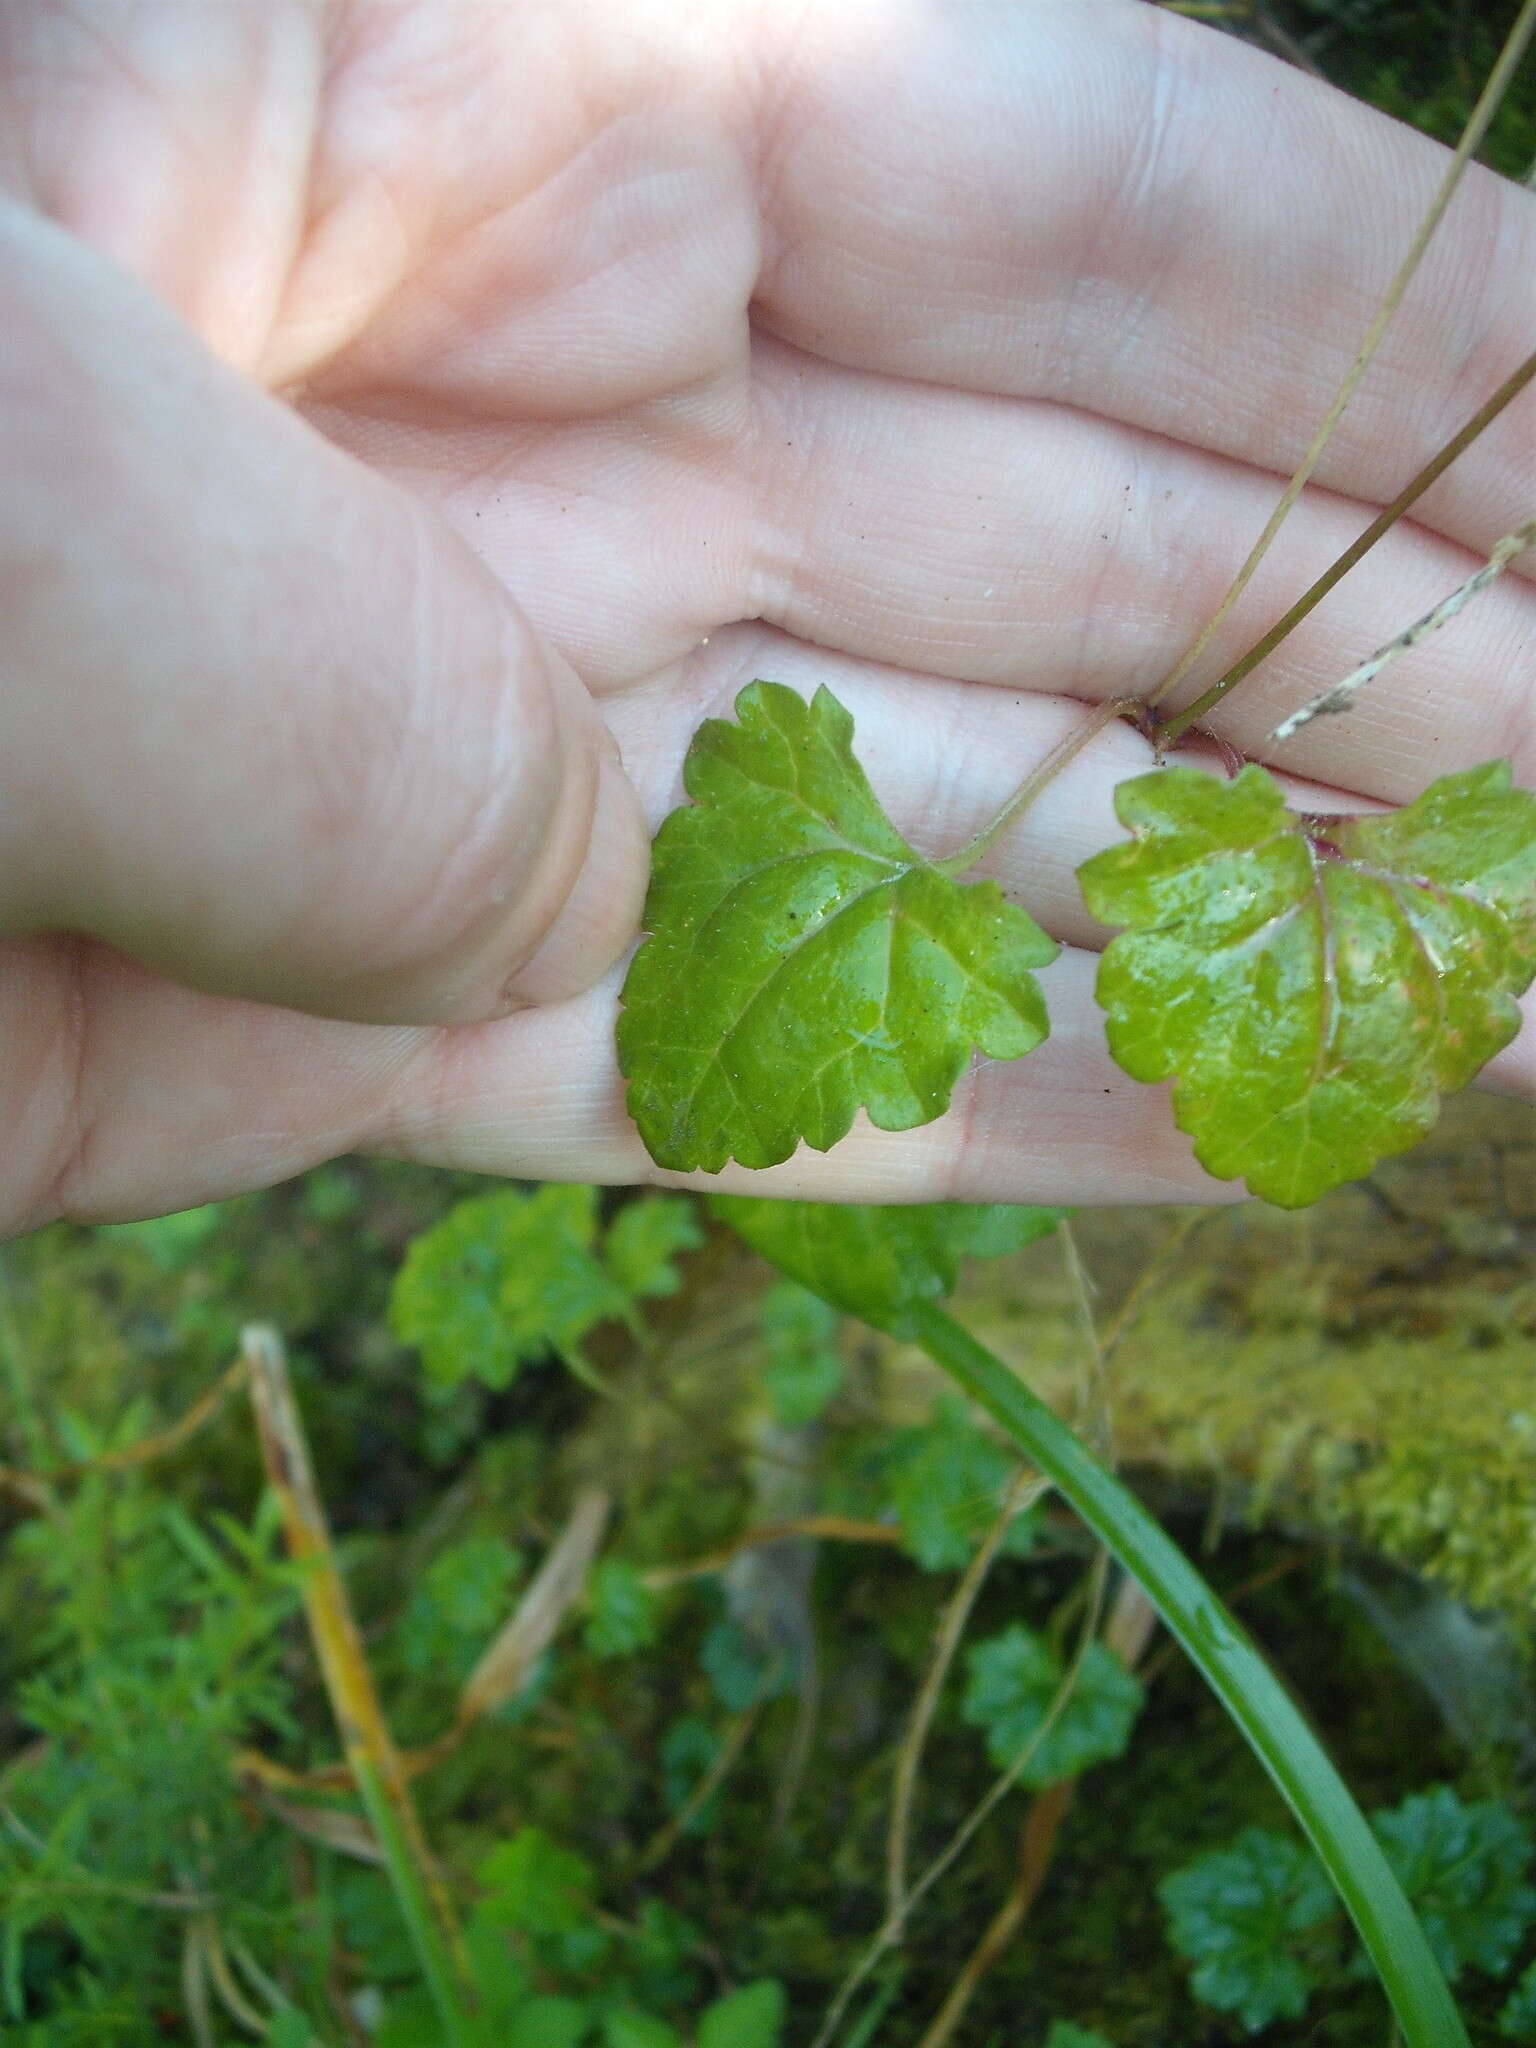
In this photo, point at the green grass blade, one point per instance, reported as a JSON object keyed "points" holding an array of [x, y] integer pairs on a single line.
{"points": [[1233, 1667]]}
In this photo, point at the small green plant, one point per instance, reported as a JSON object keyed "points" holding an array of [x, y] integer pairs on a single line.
{"points": [[536, 1925], [1259, 1924], [507, 1278], [1016, 1679]]}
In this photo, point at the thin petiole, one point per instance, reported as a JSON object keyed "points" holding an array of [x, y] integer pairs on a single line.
{"points": [[1171, 729], [1064, 752], [1339, 696]]}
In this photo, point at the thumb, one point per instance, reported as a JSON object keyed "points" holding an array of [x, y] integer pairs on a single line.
{"points": [[266, 724]]}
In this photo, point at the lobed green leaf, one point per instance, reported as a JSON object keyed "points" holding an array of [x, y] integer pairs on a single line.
{"points": [[1248, 1917], [1014, 1679], [876, 1262], [803, 962], [1312, 985], [946, 1482], [751, 2017], [506, 1278], [621, 1610], [1465, 1867], [804, 1370]]}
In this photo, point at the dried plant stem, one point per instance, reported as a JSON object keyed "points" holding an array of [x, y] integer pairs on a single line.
{"points": [[1097, 1421], [231, 1997], [36, 1491], [1022, 1494], [1127, 1631], [1151, 1277], [197, 2007], [1037, 1844], [829, 1528], [891, 1932], [372, 1758], [1171, 729], [1477, 126], [666, 1838], [1342, 694], [505, 1666]]}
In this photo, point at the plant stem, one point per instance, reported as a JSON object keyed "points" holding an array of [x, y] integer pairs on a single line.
{"points": [[1037, 1843], [1339, 696], [1023, 1491], [1232, 1666], [1477, 126], [1066, 750], [1171, 729], [1127, 1630], [374, 1762]]}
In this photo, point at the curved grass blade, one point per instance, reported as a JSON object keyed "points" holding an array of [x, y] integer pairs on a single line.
{"points": [[1232, 1666]]}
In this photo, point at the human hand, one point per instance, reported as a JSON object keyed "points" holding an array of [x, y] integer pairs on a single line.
{"points": [[944, 354]]}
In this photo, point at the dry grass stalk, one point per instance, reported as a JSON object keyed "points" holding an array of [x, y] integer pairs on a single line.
{"points": [[1339, 696]]}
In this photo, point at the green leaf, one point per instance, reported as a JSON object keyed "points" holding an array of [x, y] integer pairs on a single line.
{"points": [[1014, 1679], [752, 2017], [803, 961], [1465, 1871], [460, 1600], [548, 2021], [1248, 1918], [1517, 2015], [1312, 984], [1064, 2035], [621, 1610], [690, 1749], [741, 1671], [877, 1262], [289, 2029], [805, 1368], [501, 1981], [503, 1279], [624, 2027], [946, 1484], [660, 1952], [643, 1242], [534, 1886]]}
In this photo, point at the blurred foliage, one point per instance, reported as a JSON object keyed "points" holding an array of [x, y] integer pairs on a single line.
{"points": [[1264, 1931], [689, 1796]]}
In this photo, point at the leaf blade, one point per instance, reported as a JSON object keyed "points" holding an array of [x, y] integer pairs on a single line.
{"points": [[1312, 986], [803, 962], [875, 1261]]}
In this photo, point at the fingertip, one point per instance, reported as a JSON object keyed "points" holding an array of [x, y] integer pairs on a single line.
{"points": [[601, 913]]}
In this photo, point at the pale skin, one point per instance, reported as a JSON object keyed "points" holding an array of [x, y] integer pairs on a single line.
{"points": [[394, 396]]}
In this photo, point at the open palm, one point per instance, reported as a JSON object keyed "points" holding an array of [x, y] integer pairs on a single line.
{"points": [[944, 354]]}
